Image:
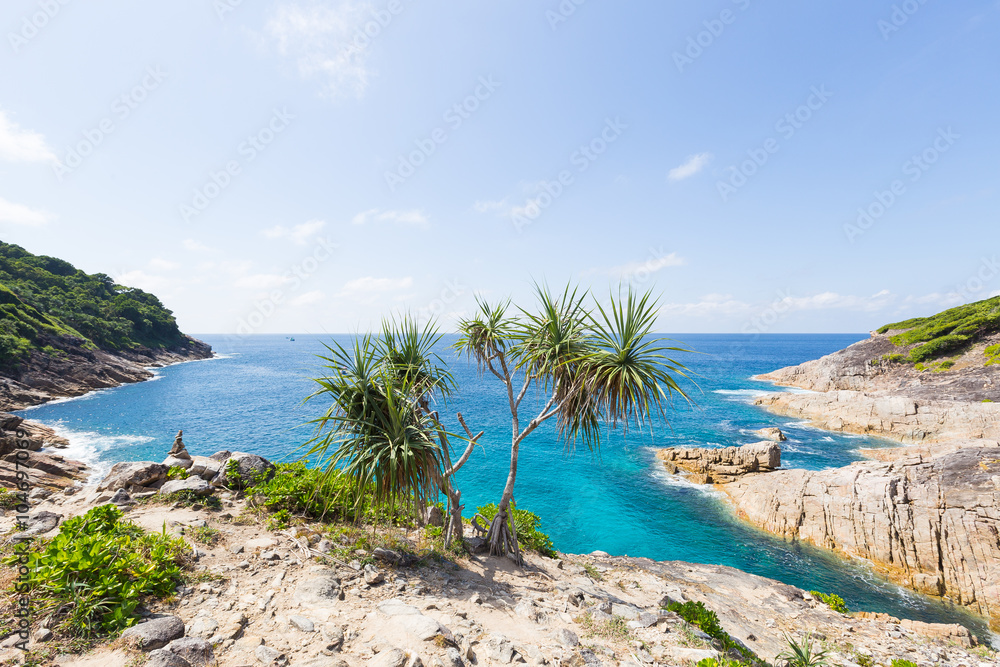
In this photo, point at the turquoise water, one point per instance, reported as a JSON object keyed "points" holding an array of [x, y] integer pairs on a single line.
{"points": [[250, 398]]}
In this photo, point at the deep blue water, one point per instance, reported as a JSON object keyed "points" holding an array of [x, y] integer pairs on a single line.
{"points": [[250, 398]]}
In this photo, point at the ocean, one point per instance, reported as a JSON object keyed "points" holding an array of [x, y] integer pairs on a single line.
{"points": [[251, 397]]}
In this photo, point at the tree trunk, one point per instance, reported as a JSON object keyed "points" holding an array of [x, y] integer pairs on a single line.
{"points": [[502, 535]]}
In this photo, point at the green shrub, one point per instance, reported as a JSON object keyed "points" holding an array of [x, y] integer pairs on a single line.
{"points": [[187, 499], [279, 520], [92, 575], [804, 654], [592, 572], [835, 602], [697, 614], [863, 660], [992, 355], [720, 662], [948, 331], [526, 524], [177, 472], [899, 662], [9, 500], [206, 535]]}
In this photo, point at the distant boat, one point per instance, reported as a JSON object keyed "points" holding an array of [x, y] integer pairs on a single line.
{"points": [[292, 339]]}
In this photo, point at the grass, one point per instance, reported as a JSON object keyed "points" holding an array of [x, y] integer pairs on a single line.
{"points": [[615, 630], [804, 653], [592, 572], [184, 499], [947, 332], [206, 535]]}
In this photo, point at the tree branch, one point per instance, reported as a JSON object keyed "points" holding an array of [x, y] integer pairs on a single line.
{"points": [[468, 450]]}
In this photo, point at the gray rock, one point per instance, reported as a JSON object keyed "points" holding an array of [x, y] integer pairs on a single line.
{"points": [[566, 637], [156, 632], [453, 658], [196, 485], [499, 649], [318, 591], [334, 635], [388, 556], [373, 576], [647, 619], [302, 623], [204, 627], [42, 635], [163, 658], [475, 544], [205, 467], [9, 422], [196, 651], [121, 497], [251, 468], [269, 655], [175, 462], [40, 522], [129, 475], [392, 657], [323, 661]]}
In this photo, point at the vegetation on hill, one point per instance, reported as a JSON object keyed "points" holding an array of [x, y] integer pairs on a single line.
{"points": [[948, 332], [47, 304]]}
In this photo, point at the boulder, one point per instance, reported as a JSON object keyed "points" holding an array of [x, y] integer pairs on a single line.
{"points": [[48, 471], [250, 468], [172, 462], [318, 591], [392, 657], [205, 467], [39, 523], [156, 632], [196, 485], [204, 627], [269, 655], [198, 652], [721, 466], [134, 475], [9, 422], [164, 658], [772, 433], [302, 623], [221, 456]]}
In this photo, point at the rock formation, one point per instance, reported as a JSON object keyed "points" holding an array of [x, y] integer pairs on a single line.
{"points": [[933, 525], [48, 472], [721, 466]]}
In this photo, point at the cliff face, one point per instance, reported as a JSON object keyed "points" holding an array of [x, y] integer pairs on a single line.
{"points": [[933, 525]]}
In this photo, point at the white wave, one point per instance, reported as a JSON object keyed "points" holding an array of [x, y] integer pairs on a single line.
{"points": [[56, 401], [741, 392], [665, 478], [88, 446], [827, 438], [798, 390]]}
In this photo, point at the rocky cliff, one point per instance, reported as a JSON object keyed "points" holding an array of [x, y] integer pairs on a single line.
{"points": [[720, 466]]}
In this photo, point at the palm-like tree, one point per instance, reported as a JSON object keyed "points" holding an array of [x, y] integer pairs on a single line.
{"points": [[379, 428], [595, 364]]}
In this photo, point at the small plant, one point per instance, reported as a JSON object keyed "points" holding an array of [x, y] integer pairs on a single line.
{"points": [[616, 629], [804, 654], [186, 499], [863, 660], [992, 355], [526, 524], [177, 472], [279, 520], [720, 662], [233, 478], [697, 614], [899, 662], [206, 535], [93, 574], [987, 400], [835, 602], [592, 572], [8, 500]]}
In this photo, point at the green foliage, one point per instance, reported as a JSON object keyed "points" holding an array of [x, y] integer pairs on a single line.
{"points": [[299, 490], [804, 654], [206, 535], [187, 499], [893, 358], [697, 614], [526, 523], [592, 572], [8, 500], [834, 601], [947, 332], [863, 660], [44, 300], [177, 472], [721, 662], [279, 520], [992, 355], [93, 574], [899, 662], [616, 629]]}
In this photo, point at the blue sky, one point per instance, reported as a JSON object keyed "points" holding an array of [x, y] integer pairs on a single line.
{"points": [[306, 166]]}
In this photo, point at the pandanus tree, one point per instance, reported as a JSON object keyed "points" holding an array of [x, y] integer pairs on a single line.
{"points": [[591, 366], [379, 427]]}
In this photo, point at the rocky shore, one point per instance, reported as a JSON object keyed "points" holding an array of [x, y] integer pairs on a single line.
{"points": [[78, 370], [277, 597]]}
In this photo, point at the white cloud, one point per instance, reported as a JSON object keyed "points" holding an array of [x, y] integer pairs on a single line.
{"points": [[142, 280], [320, 39], [656, 262], [832, 300], [369, 288], [490, 206], [298, 234], [694, 164], [412, 217], [17, 145], [262, 281], [18, 214], [163, 264], [308, 298], [710, 304], [194, 246]]}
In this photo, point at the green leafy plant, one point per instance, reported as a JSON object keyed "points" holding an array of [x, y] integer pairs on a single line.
{"points": [[720, 662], [835, 602], [899, 662], [592, 572], [93, 574], [947, 332], [992, 355], [526, 525], [863, 660], [697, 614], [803, 654], [206, 535], [177, 472], [279, 520], [8, 500]]}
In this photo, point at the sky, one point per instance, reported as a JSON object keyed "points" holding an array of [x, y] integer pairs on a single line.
{"points": [[287, 166]]}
